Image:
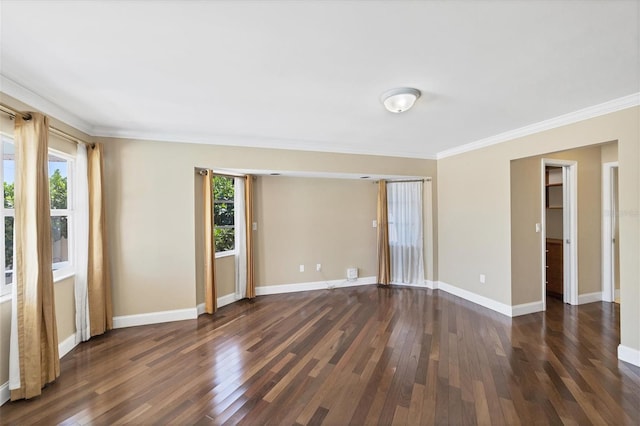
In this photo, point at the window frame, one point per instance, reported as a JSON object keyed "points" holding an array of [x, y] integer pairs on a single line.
{"points": [[226, 253], [67, 268], [5, 289]]}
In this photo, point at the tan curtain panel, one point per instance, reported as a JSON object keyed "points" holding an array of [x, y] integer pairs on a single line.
{"points": [[384, 260], [98, 277], [35, 361], [209, 244], [248, 194]]}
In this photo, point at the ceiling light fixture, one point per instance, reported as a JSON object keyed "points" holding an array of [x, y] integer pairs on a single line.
{"points": [[400, 99]]}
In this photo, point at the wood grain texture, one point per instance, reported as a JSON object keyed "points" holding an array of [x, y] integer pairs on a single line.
{"points": [[363, 355]]}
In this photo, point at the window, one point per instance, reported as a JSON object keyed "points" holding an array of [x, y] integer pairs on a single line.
{"points": [[61, 213], [60, 180], [8, 214], [223, 213]]}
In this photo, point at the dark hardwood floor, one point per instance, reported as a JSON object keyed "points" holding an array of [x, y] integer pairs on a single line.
{"points": [[363, 355]]}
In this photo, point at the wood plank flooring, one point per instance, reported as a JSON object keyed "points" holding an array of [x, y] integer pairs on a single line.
{"points": [[361, 355]]}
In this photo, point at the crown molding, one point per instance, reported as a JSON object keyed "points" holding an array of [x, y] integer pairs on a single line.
{"points": [[255, 142], [552, 123], [43, 105], [52, 109]]}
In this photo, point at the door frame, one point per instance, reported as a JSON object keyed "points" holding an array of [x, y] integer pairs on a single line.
{"points": [[608, 280], [570, 229]]}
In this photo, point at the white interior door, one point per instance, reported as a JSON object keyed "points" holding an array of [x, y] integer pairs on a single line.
{"points": [[570, 233]]}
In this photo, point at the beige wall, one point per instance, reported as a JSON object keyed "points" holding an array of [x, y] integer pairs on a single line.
{"points": [[225, 276], [306, 221], [151, 209], [474, 210], [526, 210]]}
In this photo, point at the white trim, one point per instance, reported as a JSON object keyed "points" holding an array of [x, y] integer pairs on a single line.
{"points": [[630, 355], [64, 347], [67, 345], [590, 298], [39, 103], [527, 308], [226, 300], [614, 105], [608, 292], [418, 285], [228, 253], [570, 191], [317, 285], [220, 302], [341, 147], [200, 309], [5, 393], [433, 285], [63, 274], [476, 298], [155, 317]]}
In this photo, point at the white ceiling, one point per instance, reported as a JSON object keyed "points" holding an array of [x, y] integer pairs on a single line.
{"points": [[308, 74]]}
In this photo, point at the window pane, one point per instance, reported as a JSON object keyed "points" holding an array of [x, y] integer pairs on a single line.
{"points": [[224, 239], [223, 212], [58, 182], [9, 171], [222, 188], [8, 249], [60, 242]]}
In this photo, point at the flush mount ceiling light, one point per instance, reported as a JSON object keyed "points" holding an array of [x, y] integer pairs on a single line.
{"points": [[400, 99]]}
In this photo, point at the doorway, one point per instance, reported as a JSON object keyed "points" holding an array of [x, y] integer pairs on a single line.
{"points": [[559, 231], [610, 233]]}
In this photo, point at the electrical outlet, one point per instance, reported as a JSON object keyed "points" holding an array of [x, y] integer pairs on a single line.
{"points": [[374, 224], [301, 268], [318, 267], [482, 278], [254, 226]]}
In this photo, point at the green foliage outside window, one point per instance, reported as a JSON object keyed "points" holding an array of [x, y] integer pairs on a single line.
{"points": [[223, 212], [8, 226], [58, 195]]}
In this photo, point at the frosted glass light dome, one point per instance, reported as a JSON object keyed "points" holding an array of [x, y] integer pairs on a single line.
{"points": [[400, 99]]}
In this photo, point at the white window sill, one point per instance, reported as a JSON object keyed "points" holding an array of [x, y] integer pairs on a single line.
{"points": [[62, 275], [225, 254]]}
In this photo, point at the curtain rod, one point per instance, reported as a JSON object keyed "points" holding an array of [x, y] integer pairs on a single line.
{"points": [[204, 172], [405, 181], [12, 113]]}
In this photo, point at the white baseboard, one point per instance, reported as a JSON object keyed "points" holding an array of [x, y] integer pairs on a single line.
{"points": [[317, 285], [630, 355], [226, 300], [418, 285], [221, 301], [67, 345], [476, 298], [154, 317], [589, 297], [200, 309], [64, 348], [527, 308], [5, 393]]}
